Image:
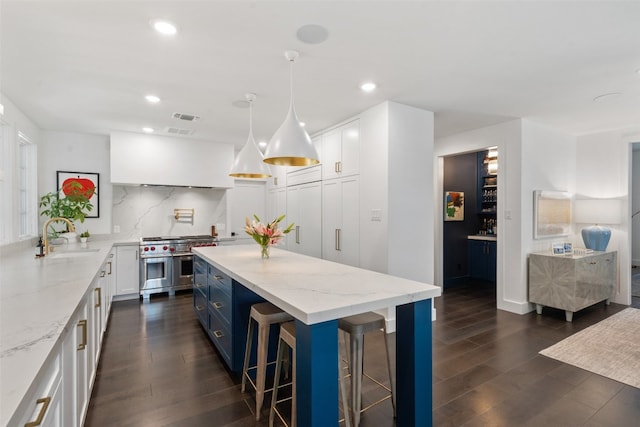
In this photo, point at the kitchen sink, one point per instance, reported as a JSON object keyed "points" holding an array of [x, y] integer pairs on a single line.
{"points": [[73, 253]]}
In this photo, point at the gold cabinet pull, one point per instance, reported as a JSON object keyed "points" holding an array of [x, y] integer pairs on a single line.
{"points": [[102, 273], [218, 305], [83, 344], [218, 277], [99, 303], [109, 273], [275, 180], [199, 285], [45, 405], [297, 234], [218, 334], [199, 307]]}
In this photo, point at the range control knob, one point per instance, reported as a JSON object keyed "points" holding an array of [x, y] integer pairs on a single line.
{"points": [[153, 248], [172, 249], [146, 248], [164, 248]]}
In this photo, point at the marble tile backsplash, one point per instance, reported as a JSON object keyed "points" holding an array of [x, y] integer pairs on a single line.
{"points": [[149, 211]]}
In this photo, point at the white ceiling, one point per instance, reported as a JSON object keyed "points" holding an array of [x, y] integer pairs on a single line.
{"points": [[84, 66]]}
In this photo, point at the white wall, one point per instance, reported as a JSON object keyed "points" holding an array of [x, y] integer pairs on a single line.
{"points": [[635, 241], [13, 121], [374, 187], [530, 157], [66, 151], [603, 170], [411, 215]]}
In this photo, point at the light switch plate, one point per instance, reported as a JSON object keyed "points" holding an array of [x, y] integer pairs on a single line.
{"points": [[220, 227], [116, 228], [376, 214]]}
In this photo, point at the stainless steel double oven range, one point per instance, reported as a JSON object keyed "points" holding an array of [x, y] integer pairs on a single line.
{"points": [[166, 263]]}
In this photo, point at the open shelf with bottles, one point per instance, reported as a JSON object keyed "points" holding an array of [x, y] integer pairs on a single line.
{"points": [[487, 182]]}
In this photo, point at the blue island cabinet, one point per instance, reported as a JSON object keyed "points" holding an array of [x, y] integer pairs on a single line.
{"points": [[222, 306]]}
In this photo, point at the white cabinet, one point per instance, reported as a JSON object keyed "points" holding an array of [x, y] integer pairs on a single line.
{"points": [[304, 209], [276, 206], [341, 151], [340, 220], [43, 406], [127, 279], [278, 177]]}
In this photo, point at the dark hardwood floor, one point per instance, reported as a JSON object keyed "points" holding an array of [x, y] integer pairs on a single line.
{"points": [[158, 368]]}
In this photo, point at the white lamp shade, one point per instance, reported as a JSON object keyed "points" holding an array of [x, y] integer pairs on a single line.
{"points": [[249, 162], [598, 211], [291, 144]]}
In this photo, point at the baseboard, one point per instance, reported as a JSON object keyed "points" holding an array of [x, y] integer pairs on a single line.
{"points": [[126, 297], [516, 307]]}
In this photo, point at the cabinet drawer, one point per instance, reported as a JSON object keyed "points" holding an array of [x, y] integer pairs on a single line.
{"points": [[219, 278], [220, 335], [200, 306], [44, 402], [220, 302]]}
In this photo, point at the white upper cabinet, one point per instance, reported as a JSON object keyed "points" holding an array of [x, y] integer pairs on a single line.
{"points": [[160, 160], [304, 209], [341, 151], [340, 220]]}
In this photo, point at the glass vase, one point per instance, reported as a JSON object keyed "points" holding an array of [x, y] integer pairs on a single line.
{"points": [[265, 251]]}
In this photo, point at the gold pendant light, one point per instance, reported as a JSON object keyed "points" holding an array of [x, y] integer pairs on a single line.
{"points": [[291, 144], [250, 163]]}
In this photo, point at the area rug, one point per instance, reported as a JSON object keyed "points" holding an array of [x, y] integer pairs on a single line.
{"points": [[610, 348]]}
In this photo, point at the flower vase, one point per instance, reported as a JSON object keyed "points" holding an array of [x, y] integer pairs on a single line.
{"points": [[265, 251]]}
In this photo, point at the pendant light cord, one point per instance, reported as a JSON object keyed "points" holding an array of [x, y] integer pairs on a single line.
{"points": [[291, 61]]}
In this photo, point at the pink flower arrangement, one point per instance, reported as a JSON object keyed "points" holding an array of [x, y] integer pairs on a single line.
{"points": [[266, 234]]}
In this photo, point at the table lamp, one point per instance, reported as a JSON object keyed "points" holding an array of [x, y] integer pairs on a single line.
{"points": [[597, 212]]}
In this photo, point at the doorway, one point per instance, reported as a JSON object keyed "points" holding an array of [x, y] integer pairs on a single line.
{"points": [[469, 232]]}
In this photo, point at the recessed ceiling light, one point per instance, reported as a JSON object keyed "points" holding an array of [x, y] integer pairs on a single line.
{"points": [[638, 71], [164, 27], [147, 130], [607, 96], [152, 98], [262, 143], [303, 124], [368, 86], [312, 34]]}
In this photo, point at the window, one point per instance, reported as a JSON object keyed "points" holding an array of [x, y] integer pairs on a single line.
{"points": [[27, 187]]}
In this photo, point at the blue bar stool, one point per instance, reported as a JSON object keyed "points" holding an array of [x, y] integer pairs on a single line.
{"points": [[264, 314], [357, 326], [288, 341]]}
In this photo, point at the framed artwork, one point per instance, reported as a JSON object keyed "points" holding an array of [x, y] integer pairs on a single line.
{"points": [[568, 248], [557, 248], [454, 206], [85, 183], [551, 214]]}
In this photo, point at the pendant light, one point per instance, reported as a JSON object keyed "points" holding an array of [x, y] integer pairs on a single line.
{"points": [[249, 162], [291, 145]]}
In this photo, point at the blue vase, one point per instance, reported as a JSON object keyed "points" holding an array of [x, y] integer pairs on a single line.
{"points": [[596, 237]]}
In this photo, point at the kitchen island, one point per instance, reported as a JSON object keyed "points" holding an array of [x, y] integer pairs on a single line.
{"points": [[317, 293]]}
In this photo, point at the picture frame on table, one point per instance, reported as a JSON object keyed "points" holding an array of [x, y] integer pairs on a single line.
{"points": [[86, 182], [568, 248], [557, 248]]}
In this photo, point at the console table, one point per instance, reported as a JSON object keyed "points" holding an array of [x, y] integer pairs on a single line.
{"points": [[571, 282], [317, 293]]}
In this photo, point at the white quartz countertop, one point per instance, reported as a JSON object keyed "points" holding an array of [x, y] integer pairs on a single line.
{"points": [[311, 289], [37, 299]]}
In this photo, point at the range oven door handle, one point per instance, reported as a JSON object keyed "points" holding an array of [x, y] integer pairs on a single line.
{"points": [[182, 255]]}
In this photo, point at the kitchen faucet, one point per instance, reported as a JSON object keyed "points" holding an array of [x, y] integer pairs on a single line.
{"points": [[45, 240]]}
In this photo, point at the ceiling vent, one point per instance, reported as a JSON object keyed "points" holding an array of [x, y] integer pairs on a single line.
{"points": [[187, 117], [178, 131]]}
